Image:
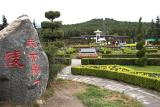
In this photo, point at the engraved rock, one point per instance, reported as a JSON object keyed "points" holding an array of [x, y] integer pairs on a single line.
{"points": [[24, 67]]}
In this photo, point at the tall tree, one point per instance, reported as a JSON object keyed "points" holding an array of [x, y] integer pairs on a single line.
{"points": [[51, 15], [4, 22], [139, 33], [142, 59], [152, 29], [34, 24], [157, 27], [52, 29]]}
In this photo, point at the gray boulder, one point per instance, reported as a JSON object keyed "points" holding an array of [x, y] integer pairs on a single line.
{"points": [[24, 67]]}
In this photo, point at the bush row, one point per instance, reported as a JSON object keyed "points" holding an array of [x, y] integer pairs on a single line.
{"points": [[118, 61], [129, 56], [66, 55], [152, 50], [128, 77], [66, 61]]}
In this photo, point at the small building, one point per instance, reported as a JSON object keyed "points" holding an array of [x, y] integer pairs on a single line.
{"points": [[87, 53], [150, 41]]}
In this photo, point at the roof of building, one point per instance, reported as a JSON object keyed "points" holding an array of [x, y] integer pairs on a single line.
{"points": [[88, 50], [152, 39]]}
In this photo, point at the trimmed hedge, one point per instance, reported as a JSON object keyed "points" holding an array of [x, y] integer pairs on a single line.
{"points": [[152, 50], [129, 56], [66, 55], [118, 61], [66, 61], [136, 79]]}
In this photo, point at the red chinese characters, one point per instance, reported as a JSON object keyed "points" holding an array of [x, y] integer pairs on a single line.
{"points": [[35, 69], [31, 43], [12, 59], [33, 56], [36, 82]]}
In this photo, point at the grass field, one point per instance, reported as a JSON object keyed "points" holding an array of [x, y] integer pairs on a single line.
{"points": [[146, 68], [97, 97]]}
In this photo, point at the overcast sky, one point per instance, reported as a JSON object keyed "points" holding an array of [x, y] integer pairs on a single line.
{"points": [[76, 11]]}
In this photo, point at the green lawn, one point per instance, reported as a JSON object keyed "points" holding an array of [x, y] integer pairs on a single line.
{"points": [[146, 68], [97, 97]]}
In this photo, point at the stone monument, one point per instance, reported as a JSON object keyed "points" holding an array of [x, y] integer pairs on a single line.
{"points": [[24, 67]]}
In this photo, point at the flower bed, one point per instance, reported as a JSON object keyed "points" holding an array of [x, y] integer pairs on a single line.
{"points": [[87, 55], [144, 79]]}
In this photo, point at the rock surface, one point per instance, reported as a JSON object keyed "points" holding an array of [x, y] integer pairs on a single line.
{"points": [[24, 67]]}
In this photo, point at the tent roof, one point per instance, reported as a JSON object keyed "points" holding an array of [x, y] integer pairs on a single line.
{"points": [[152, 39]]}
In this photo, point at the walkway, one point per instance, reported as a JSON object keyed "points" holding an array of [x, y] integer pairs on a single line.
{"points": [[147, 97]]}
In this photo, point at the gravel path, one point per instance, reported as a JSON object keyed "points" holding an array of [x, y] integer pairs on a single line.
{"points": [[147, 97]]}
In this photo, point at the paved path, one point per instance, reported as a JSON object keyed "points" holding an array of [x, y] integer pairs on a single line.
{"points": [[147, 97]]}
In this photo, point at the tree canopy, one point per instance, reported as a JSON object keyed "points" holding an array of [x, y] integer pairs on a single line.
{"points": [[51, 15], [110, 26], [51, 30]]}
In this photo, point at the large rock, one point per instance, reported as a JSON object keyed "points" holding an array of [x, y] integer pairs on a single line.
{"points": [[23, 64]]}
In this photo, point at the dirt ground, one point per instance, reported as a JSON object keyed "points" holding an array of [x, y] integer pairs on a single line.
{"points": [[64, 95]]}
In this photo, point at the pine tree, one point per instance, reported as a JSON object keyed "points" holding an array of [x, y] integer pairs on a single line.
{"points": [[4, 22], [152, 28], [34, 24], [140, 34], [157, 27], [52, 28], [142, 59]]}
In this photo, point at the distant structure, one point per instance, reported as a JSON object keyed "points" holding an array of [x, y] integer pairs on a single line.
{"points": [[98, 38]]}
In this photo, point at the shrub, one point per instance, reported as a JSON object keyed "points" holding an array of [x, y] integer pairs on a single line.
{"points": [[70, 50], [154, 61], [53, 71], [141, 61], [66, 61], [104, 50], [140, 45], [151, 50], [121, 74], [66, 55], [119, 56], [128, 51], [51, 51], [59, 44], [141, 53], [104, 61], [60, 53], [118, 61], [129, 56]]}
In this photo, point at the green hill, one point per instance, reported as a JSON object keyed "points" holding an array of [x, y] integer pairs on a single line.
{"points": [[108, 26]]}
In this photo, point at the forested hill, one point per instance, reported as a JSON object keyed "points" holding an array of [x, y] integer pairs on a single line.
{"points": [[109, 26]]}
